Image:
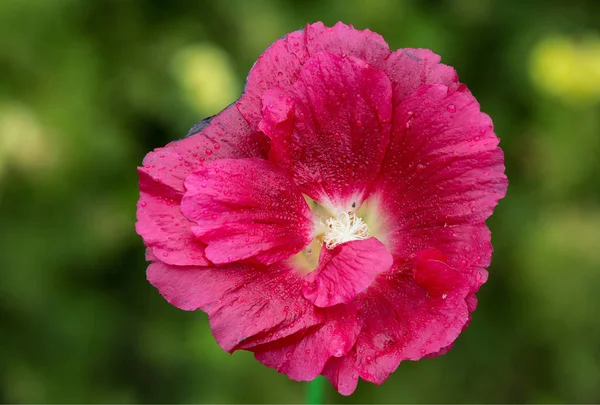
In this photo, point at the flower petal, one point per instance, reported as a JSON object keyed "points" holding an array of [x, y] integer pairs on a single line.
{"points": [[281, 63], [410, 69], [160, 223], [402, 322], [447, 155], [342, 373], [303, 356], [164, 228], [242, 301], [345, 40], [346, 271], [434, 275], [331, 128], [246, 208]]}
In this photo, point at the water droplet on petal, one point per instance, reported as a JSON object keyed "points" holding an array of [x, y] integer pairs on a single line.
{"points": [[143, 204], [451, 108]]}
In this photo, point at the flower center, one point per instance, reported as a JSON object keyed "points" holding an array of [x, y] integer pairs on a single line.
{"points": [[345, 227], [335, 225]]}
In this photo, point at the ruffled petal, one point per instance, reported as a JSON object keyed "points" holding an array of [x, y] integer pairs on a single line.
{"points": [[303, 356], [246, 208], [345, 40], [342, 373], [243, 302], [331, 128], [447, 155], [164, 228], [280, 64], [346, 271], [160, 223], [411, 69], [401, 321]]}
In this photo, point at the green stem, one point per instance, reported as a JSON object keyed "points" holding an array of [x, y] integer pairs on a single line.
{"points": [[315, 390]]}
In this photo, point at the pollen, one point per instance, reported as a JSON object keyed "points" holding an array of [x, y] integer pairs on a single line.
{"points": [[345, 227]]}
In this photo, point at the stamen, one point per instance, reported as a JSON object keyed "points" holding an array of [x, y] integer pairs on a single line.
{"points": [[345, 227]]}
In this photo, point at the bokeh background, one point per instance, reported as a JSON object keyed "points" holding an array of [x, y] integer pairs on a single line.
{"points": [[87, 88]]}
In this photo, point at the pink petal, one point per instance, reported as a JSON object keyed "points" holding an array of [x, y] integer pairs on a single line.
{"points": [[160, 223], [342, 373], [346, 271], [434, 275], [164, 228], [345, 40], [402, 322], [243, 302], [246, 208], [410, 69], [447, 155], [280, 64], [303, 356], [331, 128]]}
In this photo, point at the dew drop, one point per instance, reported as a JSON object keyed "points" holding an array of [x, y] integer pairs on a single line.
{"points": [[143, 204], [217, 146], [208, 152], [451, 108], [165, 254]]}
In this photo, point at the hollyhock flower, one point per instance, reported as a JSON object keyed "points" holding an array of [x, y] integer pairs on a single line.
{"points": [[332, 220]]}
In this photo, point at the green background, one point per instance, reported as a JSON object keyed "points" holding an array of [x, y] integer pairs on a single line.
{"points": [[87, 88]]}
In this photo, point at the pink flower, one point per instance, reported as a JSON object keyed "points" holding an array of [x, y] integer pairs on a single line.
{"points": [[332, 220]]}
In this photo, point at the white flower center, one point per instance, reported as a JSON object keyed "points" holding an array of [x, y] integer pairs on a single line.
{"points": [[345, 227]]}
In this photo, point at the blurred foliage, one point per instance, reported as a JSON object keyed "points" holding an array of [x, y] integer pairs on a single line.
{"points": [[88, 87]]}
